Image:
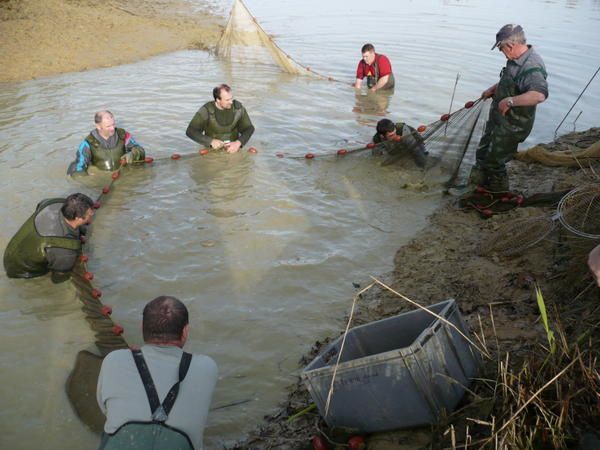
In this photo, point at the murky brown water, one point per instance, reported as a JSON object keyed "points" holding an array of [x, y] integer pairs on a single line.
{"points": [[263, 250]]}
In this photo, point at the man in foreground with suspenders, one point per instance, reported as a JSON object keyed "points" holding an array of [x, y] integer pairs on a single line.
{"points": [[157, 397]]}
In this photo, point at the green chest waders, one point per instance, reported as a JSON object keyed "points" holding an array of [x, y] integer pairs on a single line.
{"points": [[154, 435], [25, 255], [373, 79], [220, 131], [504, 133], [107, 158]]}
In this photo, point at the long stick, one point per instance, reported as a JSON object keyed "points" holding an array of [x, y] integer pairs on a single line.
{"points": [[337, 362], [437, 316], [571, 108], [452, 100]]}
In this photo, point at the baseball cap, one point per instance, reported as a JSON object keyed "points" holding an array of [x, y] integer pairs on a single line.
{"points": [[506, 32]]}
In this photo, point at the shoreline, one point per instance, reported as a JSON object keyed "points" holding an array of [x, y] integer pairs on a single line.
{"points": [[496, 296], [49, 37]]}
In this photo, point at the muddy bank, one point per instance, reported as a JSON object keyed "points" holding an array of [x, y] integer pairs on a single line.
{"points": [[47, 37], [444, 261]]}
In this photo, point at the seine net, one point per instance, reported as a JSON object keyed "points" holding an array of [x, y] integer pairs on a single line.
{"points": [[245, 41]]}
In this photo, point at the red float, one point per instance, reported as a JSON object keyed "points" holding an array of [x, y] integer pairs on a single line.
{"points": [[469, 104], [252, 150], [118, 330], [279, 155], [318, 443], [370, 145], [175, 156], [106, 310], [96, 205], [88, 276], [421, 128], [82, 239], [342, 151], [481, 190], [115, 175], [84, 258], [520, 200], [356, 443], [445, 117], [330, 78], [105, 190], [96, 293], [203, 151], [487, 212], [149, 160], [309, 156], [396, 138]]}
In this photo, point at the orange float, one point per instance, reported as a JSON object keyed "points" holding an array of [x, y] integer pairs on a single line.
{"points": [[370, 145], [252, 150], [309, 156], [203, 151], [342, 151], [469, 104], [445, 117], [115, 175], [106, 310], [421, 128], [84, 258], [118, 330], [105, 190], [96, 205], [149, 160], [96, 293], [175, 156], [88, 276]]}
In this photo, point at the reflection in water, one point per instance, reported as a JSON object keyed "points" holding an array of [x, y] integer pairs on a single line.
{"points": [[371, 104]]}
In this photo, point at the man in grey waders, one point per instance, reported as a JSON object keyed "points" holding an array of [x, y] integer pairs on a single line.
{"points": [[157, 397], [521, 87], [50, 240]]}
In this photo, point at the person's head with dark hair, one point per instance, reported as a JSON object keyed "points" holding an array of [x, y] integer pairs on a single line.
{"points": [[77, 209], [368, 53], [165, 321], [223, 96], [386, 128]]}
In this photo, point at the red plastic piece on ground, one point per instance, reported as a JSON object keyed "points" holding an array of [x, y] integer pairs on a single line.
{"points": [[356, 443], [96, 293], [279, 155], [118, 330], [96, 205], [309, 156], [481, 190], [82, 239], [318, 443], [445, 117], [203, 151], [105, 190], [106, 310], [421, 128], [149, 160], [370, 145], [342, 151], [88, 276], [84, 258], [487, 212], [115, 175], [396, 138], [252, 150], [175, 156], [520, 200], [469, 104]]}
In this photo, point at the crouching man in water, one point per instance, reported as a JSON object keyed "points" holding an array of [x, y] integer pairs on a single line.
{"points": [[106, 147], [399, 140], [157, 397], [50, 239]]}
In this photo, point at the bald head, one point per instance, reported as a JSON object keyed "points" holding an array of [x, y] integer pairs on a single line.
{"points": [[594, 263], [105, 123]]}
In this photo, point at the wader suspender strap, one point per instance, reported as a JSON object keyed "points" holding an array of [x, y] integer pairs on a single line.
{"points": [[160, 413]]}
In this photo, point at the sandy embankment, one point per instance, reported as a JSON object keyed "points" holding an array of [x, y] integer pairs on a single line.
{"points": [[47, 37]]}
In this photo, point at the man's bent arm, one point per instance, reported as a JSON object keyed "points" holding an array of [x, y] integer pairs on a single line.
{"points": [[246, 128], [381, 82], [195, 130]]}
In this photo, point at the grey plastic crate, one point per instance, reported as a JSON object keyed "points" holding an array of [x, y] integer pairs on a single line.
{"points": [[399, 372]]}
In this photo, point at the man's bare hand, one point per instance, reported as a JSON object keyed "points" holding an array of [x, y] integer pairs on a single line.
{"points": [[216, 144], [233, 147]]}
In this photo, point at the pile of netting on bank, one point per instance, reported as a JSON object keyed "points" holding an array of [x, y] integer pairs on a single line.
{"points": [[244, 40]]}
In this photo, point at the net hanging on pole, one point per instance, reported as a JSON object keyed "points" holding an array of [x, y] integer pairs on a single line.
{"points": [[244, 40]]}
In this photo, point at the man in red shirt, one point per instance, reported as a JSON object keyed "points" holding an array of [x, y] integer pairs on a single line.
{"points": [[377, 69]]}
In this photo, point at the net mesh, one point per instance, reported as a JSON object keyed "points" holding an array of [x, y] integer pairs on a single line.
{"points": [[245, 41], [579, 211]]}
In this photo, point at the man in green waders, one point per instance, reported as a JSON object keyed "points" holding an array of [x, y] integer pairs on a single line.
{"points": [[521, 87], [399, 140], [157, 397], [50, 240], [221, 124], [106, 147]]}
